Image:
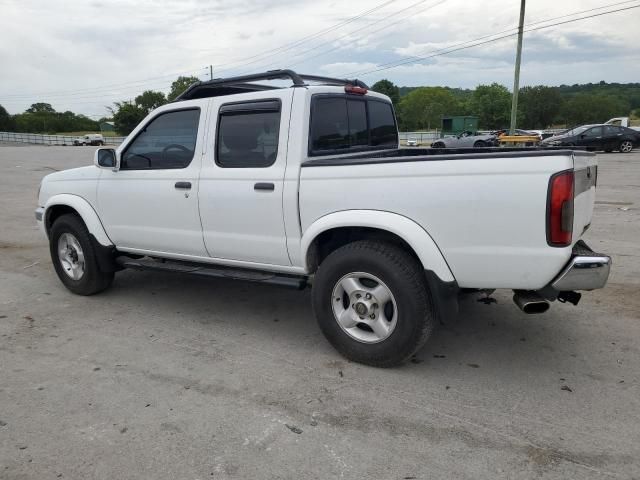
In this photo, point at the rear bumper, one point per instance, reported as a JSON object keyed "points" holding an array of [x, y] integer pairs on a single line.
{"points": [[586, 270]]}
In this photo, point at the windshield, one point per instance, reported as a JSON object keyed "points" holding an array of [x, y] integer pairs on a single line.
{"points": [[577, 130]]}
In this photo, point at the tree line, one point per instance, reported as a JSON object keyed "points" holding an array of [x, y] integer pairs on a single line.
{"points": [[539, 107], [417, 108]]}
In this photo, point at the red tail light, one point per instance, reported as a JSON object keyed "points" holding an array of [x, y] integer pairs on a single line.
{"points": [[355, 90], [560, 209]]}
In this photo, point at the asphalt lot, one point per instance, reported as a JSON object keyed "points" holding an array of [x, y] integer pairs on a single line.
{"points": [[175, 377]]}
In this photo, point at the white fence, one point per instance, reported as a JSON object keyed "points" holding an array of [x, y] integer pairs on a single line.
{"points": [[38, 139]]}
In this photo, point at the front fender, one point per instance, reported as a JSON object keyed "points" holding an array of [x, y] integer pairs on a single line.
{"points": [[412, 233], [86, 212]]}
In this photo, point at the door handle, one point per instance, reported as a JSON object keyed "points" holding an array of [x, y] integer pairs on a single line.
{"points": [[183, 185], [267, 186]]}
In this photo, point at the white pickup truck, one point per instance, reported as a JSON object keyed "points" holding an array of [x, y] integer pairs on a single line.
{"points": [[305, 184]]}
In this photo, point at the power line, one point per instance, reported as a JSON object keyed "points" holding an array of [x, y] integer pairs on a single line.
{"points": [[494, 34], [365, 27], [451, 49], [280, 49]]}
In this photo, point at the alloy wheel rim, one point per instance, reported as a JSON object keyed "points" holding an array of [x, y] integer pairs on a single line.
{"points": [[626, 146], [71, 256], [364, 307]]}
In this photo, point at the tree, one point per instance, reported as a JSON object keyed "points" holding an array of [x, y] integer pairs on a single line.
{"points": [[423, 107], [538, 106], [492, 103], [126, 116], [149, 100], [6, 120], [40, 108], [592, 108], [180, 85], [387, 88]]}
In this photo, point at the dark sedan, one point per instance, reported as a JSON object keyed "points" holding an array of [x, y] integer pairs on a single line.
{"points": [[597, 137]]}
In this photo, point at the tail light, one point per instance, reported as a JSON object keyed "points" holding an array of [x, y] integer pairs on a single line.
{"points": [[355, 90], [560, 209]]}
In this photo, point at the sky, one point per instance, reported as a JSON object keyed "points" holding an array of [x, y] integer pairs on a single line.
{"points": [[84, 55]]}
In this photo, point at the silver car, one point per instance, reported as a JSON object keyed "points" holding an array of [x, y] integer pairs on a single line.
{"points": [[465, 139]]}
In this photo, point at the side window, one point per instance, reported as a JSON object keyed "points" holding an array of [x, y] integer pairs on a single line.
{"points": [[612, 130], [382, 124], [593, 132], [330, 129], [248, 135], [168, 141], [341, 123]]}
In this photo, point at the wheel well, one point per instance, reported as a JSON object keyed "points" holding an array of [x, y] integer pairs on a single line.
{"points": [[332, 239], [54, 212]]}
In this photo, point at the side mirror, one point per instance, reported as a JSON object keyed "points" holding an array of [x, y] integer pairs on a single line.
{"points": [[107, 158]]}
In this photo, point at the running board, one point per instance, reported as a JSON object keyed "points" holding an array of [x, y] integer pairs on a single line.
{"points": [[146, 263]]}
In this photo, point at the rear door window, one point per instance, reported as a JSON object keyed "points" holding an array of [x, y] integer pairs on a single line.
{"points": [[340, 123], [248, 134]]}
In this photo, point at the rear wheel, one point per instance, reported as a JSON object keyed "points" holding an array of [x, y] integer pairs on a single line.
{"points": [[74, 258], [372, 303], [438, 145], [625, 146]]}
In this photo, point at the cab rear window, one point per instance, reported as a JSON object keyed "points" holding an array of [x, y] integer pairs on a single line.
{"points": [[342, 124]]}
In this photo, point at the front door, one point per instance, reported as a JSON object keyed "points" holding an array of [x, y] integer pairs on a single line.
{"points": [[592, 139], [242, 179], [151, 202]]}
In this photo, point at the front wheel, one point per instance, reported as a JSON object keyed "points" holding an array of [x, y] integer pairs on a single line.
{"points": [[372, 303], [74, 258], [626, 146], [479, 144]]}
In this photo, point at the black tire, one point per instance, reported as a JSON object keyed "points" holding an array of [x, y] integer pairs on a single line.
{"points": [[405, 278], [93, 280], [625, 146], [438, 145], [480, 144]]}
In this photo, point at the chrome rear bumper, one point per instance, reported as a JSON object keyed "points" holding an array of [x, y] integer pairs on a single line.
{"points": [[586, 270]]}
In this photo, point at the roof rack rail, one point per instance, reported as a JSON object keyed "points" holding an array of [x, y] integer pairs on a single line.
{"points": [[240, 84]]}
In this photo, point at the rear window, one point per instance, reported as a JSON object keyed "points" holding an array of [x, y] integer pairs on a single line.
{"points": [[341, 123]]}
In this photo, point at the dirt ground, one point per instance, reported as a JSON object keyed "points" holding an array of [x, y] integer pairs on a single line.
{"points": [[174, 377]]}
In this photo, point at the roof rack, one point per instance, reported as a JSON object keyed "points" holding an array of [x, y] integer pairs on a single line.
{"points": [[231, 85]]}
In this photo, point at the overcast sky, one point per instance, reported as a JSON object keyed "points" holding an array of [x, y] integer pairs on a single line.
{"points": [[84, 55]]}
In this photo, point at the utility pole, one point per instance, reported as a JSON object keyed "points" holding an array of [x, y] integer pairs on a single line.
{"points": [[516, 76], [210, 72]]}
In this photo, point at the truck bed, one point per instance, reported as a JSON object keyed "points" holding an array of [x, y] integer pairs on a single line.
{"points": [[485, 209]]}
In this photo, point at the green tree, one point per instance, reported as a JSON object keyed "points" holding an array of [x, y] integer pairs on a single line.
{"points": [[149, 100], [126, 116], [388, 88], [424, 107], [179, 86], [592, 108], [538, 106], [492, 103], [40, 108], [6, 120]]}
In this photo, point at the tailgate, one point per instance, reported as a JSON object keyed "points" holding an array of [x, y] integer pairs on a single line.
{"points": [[585, 168]]}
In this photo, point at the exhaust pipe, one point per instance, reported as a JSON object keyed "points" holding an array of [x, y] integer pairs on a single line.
{"points": [[530, 302]]}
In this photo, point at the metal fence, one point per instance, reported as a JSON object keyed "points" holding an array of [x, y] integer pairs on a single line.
{"points": [[39, 139], [423, 138]]}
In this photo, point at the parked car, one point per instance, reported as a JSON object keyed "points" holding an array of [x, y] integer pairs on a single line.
{"points": [[90, 139], [597, 137], [465, 139], [412, 142], [298, 186]]}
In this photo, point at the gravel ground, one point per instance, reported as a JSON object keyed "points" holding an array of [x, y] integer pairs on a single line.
{"points": [[174, 377]]}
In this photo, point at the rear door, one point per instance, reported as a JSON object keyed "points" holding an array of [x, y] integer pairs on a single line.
{"points": [[242, 178]]}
